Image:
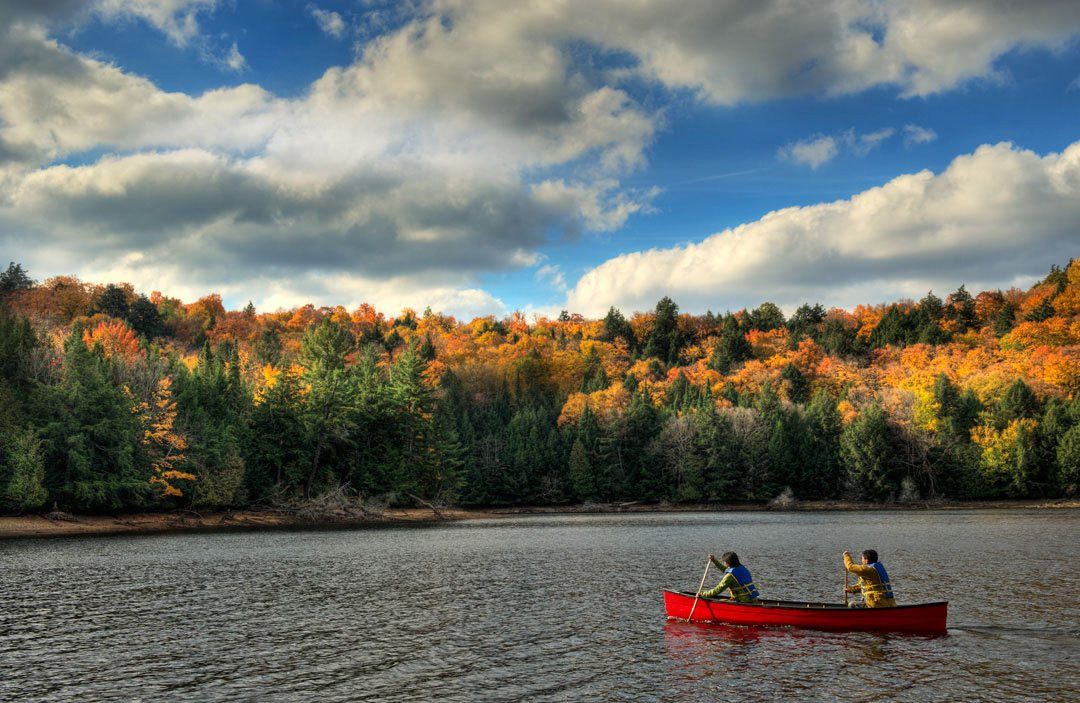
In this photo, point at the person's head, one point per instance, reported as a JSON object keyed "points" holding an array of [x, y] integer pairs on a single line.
{"points": [[869, 556], [730, 559]]}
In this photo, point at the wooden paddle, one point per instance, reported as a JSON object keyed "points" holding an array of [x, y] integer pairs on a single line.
{"points": [[708, 563], [845, 586]]}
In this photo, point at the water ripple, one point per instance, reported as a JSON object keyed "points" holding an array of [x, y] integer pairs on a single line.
{"points": [[534, 609]]}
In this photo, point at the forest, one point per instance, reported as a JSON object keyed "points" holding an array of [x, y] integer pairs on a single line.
{"points": [[112, 400]]}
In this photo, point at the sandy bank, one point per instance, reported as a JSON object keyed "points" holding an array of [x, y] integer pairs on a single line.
{"points": [[54, 525]]}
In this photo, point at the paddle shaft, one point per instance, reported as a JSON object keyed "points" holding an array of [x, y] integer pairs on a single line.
{"points": [[845, 585], [708, 563]]}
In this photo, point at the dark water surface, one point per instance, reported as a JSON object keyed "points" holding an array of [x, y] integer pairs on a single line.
{"points": [[547, 608]]}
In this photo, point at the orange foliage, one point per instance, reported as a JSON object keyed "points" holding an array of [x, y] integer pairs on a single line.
{"points": [[1055, 332], [207, 310], [116, 340], [608, 405], [768, 344]]}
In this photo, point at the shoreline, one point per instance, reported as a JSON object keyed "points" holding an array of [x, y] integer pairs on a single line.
{"points": [[62, 525]]}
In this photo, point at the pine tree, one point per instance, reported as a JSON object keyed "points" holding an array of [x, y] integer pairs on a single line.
{"points": [[867, 455]]}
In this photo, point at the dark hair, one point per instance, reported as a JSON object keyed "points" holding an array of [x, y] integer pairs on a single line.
{"points": [[731, 559], [870, 555]]}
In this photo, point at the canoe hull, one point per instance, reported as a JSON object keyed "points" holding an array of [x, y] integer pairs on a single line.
{"points": [[922, 618]]}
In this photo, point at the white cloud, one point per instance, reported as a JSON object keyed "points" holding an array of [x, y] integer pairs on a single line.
{"points": [[914, 134], [456, 143], [434, 181], [744, 50], [235, 60], [863, 144], [554, 276], [915, 233], [813, 152], [177, 19], [820, 149], [328, 21]]}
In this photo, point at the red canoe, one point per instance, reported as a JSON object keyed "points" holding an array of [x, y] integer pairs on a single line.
{"points": [[924, 617]]}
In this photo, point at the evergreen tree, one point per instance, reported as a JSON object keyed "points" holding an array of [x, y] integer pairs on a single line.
{"points": [[821, 470], [1068, 461], [839, 340], [765, 317], [582, 486], [714, 450], [1018, 402], [277, 450], [796, 385], [616, 327], [14, 279], [867, 456], [327, 417], [961, 309], [144, 318], [805, 322], [22, 470], [113, 302], [664, 341], [93, 437]]}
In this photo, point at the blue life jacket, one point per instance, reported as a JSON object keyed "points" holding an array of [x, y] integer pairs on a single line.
{"points": [[746, 590], [885, 587]]}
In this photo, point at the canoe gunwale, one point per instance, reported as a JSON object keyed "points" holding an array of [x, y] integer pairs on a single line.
{"points": [[771, 604]]}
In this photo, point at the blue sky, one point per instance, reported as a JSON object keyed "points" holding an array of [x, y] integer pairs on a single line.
{"points": [[482, 157]]}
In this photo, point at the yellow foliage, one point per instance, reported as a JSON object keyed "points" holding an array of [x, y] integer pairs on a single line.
{"points": [[161, 441]]}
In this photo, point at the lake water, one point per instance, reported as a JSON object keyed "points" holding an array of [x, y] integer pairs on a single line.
{"points": [[545, 608]]}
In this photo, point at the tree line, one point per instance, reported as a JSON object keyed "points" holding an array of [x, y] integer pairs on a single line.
{"points": [[111, 400]]}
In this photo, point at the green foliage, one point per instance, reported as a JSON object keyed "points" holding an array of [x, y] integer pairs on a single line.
{"points": [[867, 455], [22, 470], [363, 414], [733, 347], [1068, 461], [582, 487], [92, 440], [13, 279], [765, 317], [1018, 403], [616, 327], [664, 340], [805, 322], [113, 302], [795, 384], [144, 318], [957, 412], [821, 468]]}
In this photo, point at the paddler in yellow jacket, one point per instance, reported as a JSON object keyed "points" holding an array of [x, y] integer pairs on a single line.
{"points": [[874, 581]]}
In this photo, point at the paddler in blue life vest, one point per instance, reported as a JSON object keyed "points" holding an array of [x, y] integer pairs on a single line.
{"points": [[873, 582], [737, 579]]}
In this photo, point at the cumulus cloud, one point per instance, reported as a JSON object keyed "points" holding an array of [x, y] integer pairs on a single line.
{"points": [[915, 233], [234, 183], [745, 50], [459, 141]]}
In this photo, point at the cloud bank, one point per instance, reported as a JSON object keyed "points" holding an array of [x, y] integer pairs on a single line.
{"points": [[990, 214], [459, 143]]}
